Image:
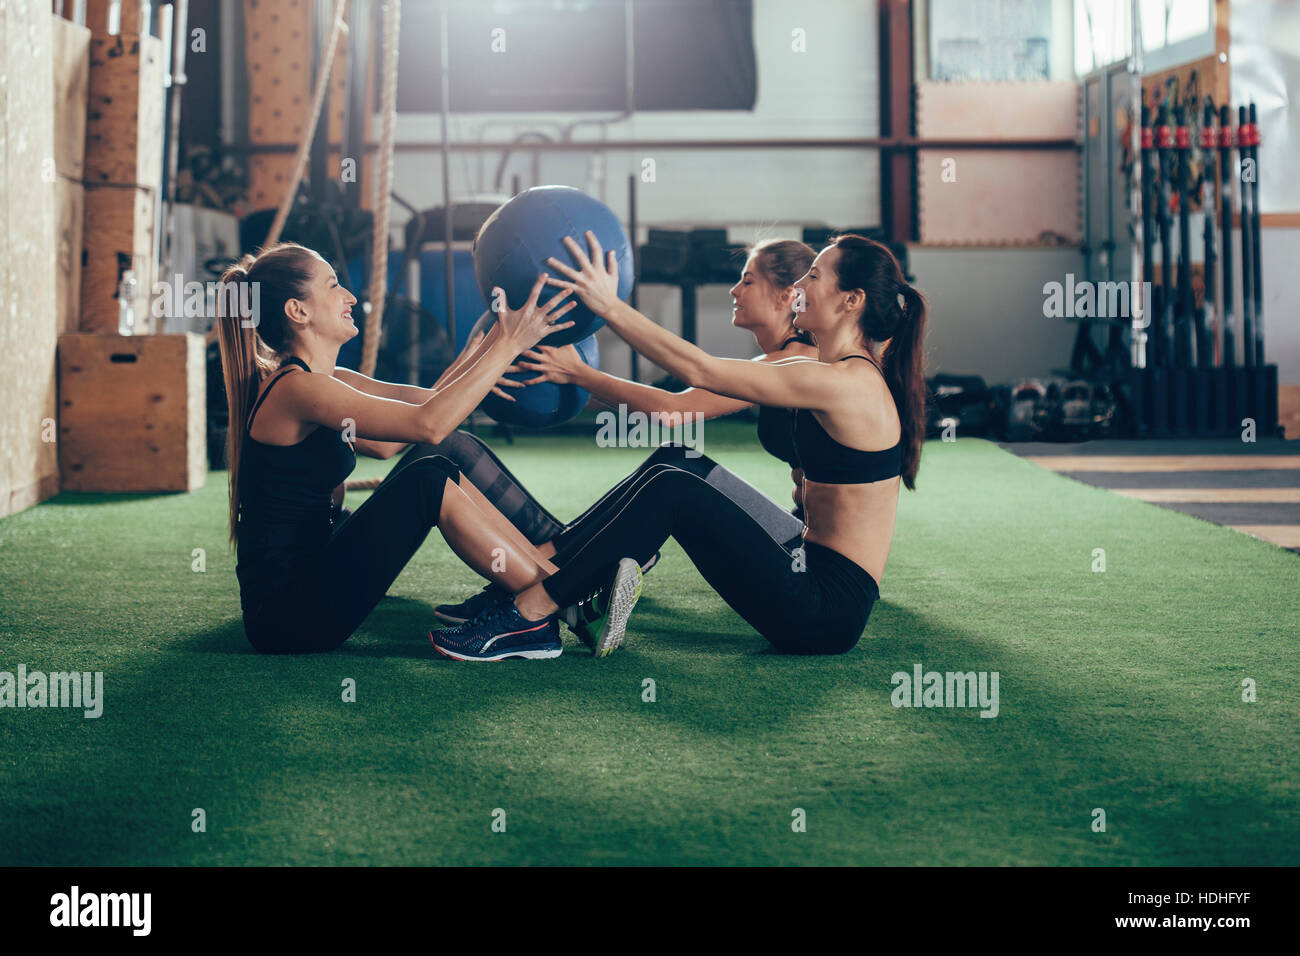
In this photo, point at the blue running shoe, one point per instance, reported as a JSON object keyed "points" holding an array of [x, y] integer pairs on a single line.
{"points": [[499, 633], [472, 607]]}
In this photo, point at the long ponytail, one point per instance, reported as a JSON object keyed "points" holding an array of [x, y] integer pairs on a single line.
{"points": [[895, 314], [904, 366]]}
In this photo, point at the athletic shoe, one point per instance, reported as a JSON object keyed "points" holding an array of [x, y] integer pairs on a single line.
{"points": [[654, 559], [601, 622], [473, 606], [499, 633]]}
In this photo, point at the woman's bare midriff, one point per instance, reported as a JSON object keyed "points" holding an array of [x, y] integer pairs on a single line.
{"points": [[862, 527]]}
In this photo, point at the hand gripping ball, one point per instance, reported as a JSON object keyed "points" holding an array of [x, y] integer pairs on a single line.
{"points": [[544, 404], [512, 247]]}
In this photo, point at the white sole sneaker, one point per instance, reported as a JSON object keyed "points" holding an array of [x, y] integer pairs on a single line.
{"points": [[623, 596]]}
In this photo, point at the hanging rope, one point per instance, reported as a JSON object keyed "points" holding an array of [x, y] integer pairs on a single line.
{"points": [[383, 190], [337, 29]]}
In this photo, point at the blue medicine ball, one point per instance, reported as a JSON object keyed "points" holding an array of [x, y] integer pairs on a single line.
{"points": [[544, 404], [512, 247]]}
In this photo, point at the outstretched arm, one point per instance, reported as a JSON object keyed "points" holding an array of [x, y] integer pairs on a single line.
{"points": [[790, 384]]}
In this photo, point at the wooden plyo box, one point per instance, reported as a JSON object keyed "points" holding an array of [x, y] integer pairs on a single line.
{"points": [[132, 412], [124, 127], [118, 234], [132, 16]]}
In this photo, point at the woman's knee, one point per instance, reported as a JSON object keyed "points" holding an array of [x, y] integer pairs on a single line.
{"points": [[676, 453], [418, 490], [462, 448], [433, 468]]}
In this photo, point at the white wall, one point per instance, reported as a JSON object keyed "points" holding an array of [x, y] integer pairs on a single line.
{"points": [[986, 311], [1281, 304], [828, 91]]}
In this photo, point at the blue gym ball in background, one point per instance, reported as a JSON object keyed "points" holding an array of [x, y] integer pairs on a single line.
{"points": [[512, 247], [544, 404]]}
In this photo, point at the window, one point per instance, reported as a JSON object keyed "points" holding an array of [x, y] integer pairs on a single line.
{"points": [[1102, 29]]}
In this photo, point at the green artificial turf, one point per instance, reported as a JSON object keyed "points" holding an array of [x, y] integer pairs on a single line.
{"points": [[1118, 690]]}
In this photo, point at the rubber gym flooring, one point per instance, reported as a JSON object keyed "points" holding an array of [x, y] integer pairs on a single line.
{"points": [[1146, 665], [1252, 487]]}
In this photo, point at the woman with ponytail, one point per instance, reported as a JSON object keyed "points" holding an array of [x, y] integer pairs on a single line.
{"points": [[857, 430], [307, 580], [763, 300]]}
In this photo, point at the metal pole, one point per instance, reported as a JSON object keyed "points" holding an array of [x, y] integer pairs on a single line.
{"points": [[629, 106], [445, 106], [1142, 314], [635, 370]]}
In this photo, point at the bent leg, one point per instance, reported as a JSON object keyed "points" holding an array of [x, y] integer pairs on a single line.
{"points": [[490, 476], [330, 597], [752, 571], [775, 520]]}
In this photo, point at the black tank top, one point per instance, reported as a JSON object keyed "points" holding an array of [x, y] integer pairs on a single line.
{"points": [[827, 461], [776, 425], [284, 497]]}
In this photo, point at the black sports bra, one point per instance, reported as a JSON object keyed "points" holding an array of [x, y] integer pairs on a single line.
{"points": [[776, 425], [827, 461]]}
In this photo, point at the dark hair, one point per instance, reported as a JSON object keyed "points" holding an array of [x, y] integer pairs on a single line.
{"points": [[895, 313], [252, 344], [783, 262]]}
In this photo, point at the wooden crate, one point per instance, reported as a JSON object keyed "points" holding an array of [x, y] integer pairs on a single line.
{"points": [[132, 412], [71, 94], [70, 210], [29, 469], [131, 19], [124, 128], [118, 234]]}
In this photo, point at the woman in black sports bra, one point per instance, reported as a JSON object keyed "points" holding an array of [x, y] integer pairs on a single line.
{"points": [[858, 428], [762, 298], [762, 306]]}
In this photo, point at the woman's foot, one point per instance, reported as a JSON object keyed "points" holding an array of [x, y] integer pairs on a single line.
{"points": [[472, 606], [601, 622], [498, 633]]}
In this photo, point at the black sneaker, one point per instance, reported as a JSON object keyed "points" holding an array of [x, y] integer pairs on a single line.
{"points": [[472, 607]]}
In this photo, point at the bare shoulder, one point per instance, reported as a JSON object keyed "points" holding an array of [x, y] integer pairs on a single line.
{"points": [[865, 380]]}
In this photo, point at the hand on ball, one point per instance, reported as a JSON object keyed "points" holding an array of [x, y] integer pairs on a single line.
{"points": [[596, 278]]}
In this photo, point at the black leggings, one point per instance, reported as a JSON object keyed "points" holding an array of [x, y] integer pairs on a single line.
{"points": [[489, 475], [487, 472], [321, 595], [801, 596]]}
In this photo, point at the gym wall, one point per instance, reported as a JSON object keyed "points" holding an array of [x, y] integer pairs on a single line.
{"points": [[830, 91], [1265, 68], [29, 468]]}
